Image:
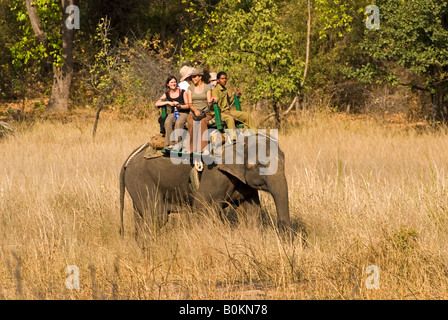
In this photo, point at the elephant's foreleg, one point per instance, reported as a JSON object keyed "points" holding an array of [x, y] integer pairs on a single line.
{"points": [[206, 204], [250, 207]]}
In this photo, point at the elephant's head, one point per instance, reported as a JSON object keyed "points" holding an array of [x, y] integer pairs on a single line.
{"points": [[259, 163]]}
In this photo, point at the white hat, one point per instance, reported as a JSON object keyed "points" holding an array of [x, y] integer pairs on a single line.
{"points": [[213, 76], [185, 72]]}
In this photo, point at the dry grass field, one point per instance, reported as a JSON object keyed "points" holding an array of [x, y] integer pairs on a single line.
{"points": [[362, 192]]}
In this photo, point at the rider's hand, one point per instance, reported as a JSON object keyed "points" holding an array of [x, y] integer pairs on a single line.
{"points": [[197, 112]]}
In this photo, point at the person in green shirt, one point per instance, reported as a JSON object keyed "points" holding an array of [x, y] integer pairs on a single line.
{"points": [[221, 96]]}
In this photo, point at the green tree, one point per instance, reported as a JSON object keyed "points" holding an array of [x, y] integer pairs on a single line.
{"points": [[246, 39], [10, 85], [340, 27], [47, 38], [414, 35]]}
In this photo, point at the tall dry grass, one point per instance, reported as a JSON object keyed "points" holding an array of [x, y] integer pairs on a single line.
{"points": [[362, 193]]}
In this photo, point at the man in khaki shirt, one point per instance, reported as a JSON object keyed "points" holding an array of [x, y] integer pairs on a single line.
{"points": [[224, 100]]}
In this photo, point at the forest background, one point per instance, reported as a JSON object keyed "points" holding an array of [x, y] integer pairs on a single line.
{"points": [[361, 111], [283, 55]]}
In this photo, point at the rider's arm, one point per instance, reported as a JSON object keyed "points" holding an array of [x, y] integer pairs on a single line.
{"points": [[215, 95], [209, 96], [161, 103], [187, 102]]}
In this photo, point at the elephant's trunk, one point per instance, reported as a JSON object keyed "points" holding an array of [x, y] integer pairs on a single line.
{"points": [[278, 188]]}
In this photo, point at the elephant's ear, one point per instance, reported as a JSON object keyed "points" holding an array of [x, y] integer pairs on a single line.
{"points": [[235, 167], [236, 170]]}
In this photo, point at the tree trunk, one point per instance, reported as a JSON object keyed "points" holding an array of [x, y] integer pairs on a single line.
{"points": [[164, 23], [62, 75], [277, 114], [308, 34], [434, 109], [439, 110], [61, 90], [35, 22]]}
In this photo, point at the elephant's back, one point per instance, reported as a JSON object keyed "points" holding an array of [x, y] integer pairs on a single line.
{"points": [[160, 171]]}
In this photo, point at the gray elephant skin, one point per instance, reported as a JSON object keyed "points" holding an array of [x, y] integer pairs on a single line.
{"points": [[158, 186]]}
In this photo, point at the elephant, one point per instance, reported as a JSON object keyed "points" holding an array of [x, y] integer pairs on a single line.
{"points": [[159, 185]]}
